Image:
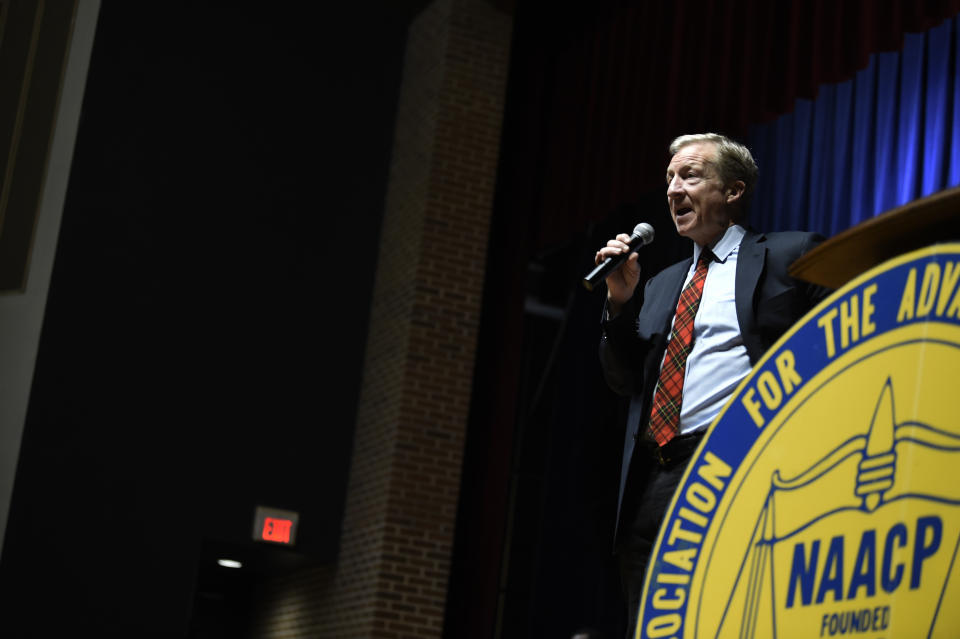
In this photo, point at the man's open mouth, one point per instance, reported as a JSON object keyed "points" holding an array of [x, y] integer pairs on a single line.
{"points": [[683, 210]]}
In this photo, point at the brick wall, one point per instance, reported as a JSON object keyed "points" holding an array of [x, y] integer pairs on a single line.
{"points": [[391, 575]]}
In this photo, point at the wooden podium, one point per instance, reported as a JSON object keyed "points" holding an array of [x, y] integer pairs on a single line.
{"points": [[914, 225]]}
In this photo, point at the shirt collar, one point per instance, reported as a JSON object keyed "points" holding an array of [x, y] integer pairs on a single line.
{"points": [[724, 245]]}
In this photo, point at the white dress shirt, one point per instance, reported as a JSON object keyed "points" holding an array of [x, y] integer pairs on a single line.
{"points": [[718, 360]]}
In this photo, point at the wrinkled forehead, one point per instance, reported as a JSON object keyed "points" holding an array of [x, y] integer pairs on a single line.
{"points": [[693, 154]]}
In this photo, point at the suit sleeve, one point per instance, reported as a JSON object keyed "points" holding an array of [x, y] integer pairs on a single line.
{"points": [[622, 352]]}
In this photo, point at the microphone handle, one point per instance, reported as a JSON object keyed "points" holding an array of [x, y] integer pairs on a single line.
{"points": [[610, 264]]}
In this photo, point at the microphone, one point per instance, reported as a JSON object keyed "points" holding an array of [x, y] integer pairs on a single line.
{"points": [[642, 235]]}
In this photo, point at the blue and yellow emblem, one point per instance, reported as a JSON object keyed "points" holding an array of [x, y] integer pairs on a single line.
{"points": [[825, 500]]}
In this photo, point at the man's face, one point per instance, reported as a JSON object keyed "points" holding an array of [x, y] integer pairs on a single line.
{"points": [[700, 205]]}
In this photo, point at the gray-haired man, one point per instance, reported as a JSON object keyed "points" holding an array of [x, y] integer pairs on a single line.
{"points": [[679, 347]]}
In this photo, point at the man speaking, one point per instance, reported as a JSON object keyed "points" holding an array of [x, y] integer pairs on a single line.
{"points": [[681, 345]]}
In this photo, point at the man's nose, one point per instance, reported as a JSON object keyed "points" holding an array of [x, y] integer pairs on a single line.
{"points": [[674, 186]]}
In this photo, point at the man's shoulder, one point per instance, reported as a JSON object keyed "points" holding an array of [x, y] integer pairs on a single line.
{"points": [[666, 281], [795, 242], [784, 237], [671, 272]]}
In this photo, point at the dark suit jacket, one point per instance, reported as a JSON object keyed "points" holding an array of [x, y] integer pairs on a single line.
{"points": [[768, 302]]}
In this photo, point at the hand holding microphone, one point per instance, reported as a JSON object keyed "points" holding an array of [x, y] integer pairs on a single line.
{"points": [[620, 252]]}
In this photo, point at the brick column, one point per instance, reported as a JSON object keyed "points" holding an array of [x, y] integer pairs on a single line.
{"points": [[391, 575]]}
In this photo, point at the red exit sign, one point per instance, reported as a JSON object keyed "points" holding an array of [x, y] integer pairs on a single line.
{"points": [[275, 526], [277, 530]]}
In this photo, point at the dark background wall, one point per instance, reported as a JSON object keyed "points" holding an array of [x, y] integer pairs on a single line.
{"points": [[206, 322]]}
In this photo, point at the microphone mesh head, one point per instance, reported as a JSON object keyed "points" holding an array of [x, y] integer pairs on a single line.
{"points": [[644, 231]]}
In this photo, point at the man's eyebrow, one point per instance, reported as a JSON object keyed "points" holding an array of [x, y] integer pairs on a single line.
{"points": [[686, 165]]}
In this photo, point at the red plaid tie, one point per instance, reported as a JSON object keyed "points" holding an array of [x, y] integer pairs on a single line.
{"points": [[665, 416]]}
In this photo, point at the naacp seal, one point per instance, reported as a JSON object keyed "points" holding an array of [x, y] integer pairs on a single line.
{"points": [[825, 499]]}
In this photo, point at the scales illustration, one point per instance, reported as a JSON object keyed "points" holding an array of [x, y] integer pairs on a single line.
{"points": [[796, 560]]}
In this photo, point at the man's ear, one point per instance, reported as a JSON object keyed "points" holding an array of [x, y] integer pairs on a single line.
{"points": [[734, 191]]}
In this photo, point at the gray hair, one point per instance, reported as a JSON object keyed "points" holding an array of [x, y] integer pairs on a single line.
{"points": [[734, 160]]}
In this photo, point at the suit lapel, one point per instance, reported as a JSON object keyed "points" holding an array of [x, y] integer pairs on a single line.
{"points": [[667, 298], [750, 262], [676, 288]]}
